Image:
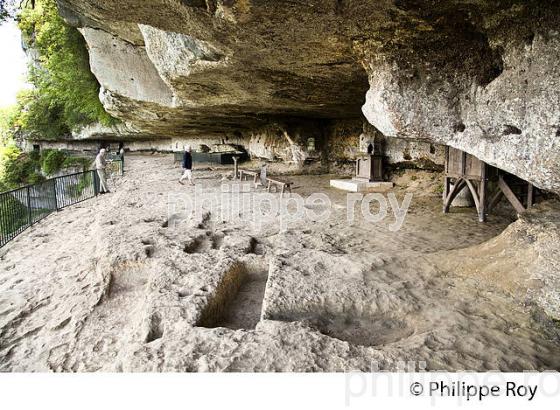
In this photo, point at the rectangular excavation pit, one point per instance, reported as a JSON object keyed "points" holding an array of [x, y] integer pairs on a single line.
{"points": [[237, 301]]}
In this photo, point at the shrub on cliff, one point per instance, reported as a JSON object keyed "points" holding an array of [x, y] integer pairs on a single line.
{"points": [[52, 161], [66, 94], [8, 116], [17, 168], [83, 162]]}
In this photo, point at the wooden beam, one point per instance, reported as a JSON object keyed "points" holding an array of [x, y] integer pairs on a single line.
{"points": [[446, 158], [495, 199], [474, 194], [482, 193], [530, 194], [446, 184], [457, 187], [518, 206]]}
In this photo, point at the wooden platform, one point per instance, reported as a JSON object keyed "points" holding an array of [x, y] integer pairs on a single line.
{"points": [[465, 170]]}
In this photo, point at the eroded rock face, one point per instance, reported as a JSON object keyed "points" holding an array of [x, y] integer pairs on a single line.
{"points": [[511, 122], [479, 75], [228, 65]]}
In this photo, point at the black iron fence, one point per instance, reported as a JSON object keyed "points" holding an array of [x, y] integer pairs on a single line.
{"points": [[21, 208]]}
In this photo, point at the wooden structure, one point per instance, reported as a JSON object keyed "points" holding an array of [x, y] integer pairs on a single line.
{"points": [[243, 173], [465, 170], [235, 166], [279, 185], [283, 185], [370, 168]]}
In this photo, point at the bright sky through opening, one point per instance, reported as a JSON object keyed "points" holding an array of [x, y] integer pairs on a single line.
{"points": [[13, 65]]}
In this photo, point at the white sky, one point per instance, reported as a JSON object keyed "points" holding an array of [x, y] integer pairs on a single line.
{"points": [[13, 64]]}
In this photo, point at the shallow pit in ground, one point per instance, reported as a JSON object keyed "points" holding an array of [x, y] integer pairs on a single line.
{"points": [[237, 301], [359, 330]]}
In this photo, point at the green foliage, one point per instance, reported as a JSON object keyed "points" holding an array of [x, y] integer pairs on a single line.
{"points": [[82, 162], [8, 117], [17, 168], [19, 216], [42, 116], [35, 178], [52, 161], [86, 181], [66, 94]]}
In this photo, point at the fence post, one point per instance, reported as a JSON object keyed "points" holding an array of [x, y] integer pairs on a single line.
{"points": [[95, 182], [29, 217], [55, 197], [122, 165]]}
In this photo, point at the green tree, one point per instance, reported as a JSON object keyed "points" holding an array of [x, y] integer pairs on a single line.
{"points": [[65, 94]]}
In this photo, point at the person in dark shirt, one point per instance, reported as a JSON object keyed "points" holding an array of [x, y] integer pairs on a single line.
{"points": [[187, 166]]}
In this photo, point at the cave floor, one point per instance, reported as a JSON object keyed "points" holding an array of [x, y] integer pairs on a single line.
{"points": [[123, 282]]}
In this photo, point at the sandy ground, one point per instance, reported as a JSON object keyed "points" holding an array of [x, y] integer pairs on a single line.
{"points": [[124, 283]]}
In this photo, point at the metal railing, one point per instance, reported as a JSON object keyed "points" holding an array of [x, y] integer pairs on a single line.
{"points": [[22, 207], [74, 188]]}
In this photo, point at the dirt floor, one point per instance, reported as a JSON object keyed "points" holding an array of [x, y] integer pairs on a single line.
{"points": [[127, 282]]}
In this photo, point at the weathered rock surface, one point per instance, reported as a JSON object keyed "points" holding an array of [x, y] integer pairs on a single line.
{"points": [[478, 75], [141, 287], [525, 256], [510, 122]]}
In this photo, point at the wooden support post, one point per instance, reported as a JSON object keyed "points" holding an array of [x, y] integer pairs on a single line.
{"points": [[530, 194], [495, 199], [457, 187], [446, 179], [482, 194], [446, 185], [474, 194], [510, 195]]}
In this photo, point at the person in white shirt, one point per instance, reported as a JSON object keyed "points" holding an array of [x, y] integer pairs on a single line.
{"points": [[100, 165]]}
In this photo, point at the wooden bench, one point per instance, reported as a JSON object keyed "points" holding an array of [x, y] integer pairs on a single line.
{"points": [[243, 173], [283, 185]]}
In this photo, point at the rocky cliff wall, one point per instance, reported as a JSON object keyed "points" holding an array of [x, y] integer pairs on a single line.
{"points": [[478, 75]]}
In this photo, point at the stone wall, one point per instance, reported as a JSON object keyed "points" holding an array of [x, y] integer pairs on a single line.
{"points": [[160, 145], [327, 146]]}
